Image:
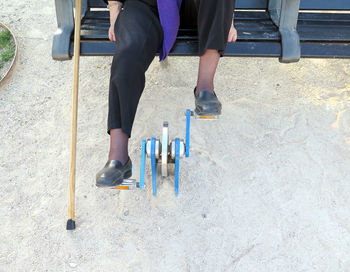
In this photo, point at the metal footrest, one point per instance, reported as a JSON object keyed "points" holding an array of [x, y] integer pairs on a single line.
{"points": [[204, 117], [128, 184]]}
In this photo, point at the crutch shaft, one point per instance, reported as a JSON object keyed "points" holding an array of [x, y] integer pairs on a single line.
{"points": [[74, 118]]}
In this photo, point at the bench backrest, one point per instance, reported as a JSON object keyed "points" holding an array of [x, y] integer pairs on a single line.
{"points": [[262, 4]]}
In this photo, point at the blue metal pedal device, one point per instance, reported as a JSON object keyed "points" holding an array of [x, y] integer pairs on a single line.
{"points": [[162, 153]]}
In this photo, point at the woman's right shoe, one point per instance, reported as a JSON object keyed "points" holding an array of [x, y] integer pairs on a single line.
{"points": [[114, 173], [207, 103]]}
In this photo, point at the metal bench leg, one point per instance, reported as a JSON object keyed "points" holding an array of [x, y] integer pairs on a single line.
{"points": [[284, 13], [275, 11], [65, 22], [84, 7]]}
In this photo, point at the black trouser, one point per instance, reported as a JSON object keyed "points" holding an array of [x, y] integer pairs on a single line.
{"points": [[139, 36]]}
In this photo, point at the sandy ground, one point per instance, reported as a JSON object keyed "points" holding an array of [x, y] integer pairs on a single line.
{"points": [[265, 189]]}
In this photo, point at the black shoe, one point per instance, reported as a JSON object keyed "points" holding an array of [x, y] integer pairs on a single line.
{"points": [[207, 103], [114, 173]]}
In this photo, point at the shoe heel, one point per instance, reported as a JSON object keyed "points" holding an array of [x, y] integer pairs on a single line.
{"points": [[128, 174]]}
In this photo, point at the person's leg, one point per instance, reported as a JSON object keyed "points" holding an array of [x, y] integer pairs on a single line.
{"points": [[208, 63], [118, 149], [118, 146], [139, 36], [214, 25]]}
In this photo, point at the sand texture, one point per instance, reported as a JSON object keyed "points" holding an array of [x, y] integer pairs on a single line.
{"points": [[265, 189]]}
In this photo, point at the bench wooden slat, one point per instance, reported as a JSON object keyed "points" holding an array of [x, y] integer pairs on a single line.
{"points": [[103, 14], [251, 26], [242, 49], [242, 4], [325, 5], [262, 4], [260, 28], [325, 17], [185, 48], [325, 50]]}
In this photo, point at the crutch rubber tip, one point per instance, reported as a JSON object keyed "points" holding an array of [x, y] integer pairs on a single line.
{"points": [[70, 224]]}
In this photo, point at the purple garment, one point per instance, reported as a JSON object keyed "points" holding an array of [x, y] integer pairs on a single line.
{"points": [[169, 14]]}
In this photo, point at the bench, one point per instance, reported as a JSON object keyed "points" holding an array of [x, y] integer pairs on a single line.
{"points": [[288, 29]]}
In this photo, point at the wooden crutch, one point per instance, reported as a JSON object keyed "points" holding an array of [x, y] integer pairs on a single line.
{"points": [[74, 119]]}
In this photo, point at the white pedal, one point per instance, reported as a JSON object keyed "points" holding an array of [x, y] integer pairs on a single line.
{"points": [[204, 117], [128, 184]]}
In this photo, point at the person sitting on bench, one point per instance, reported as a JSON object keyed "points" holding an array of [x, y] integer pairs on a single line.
{"points": [[141, 29]]}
